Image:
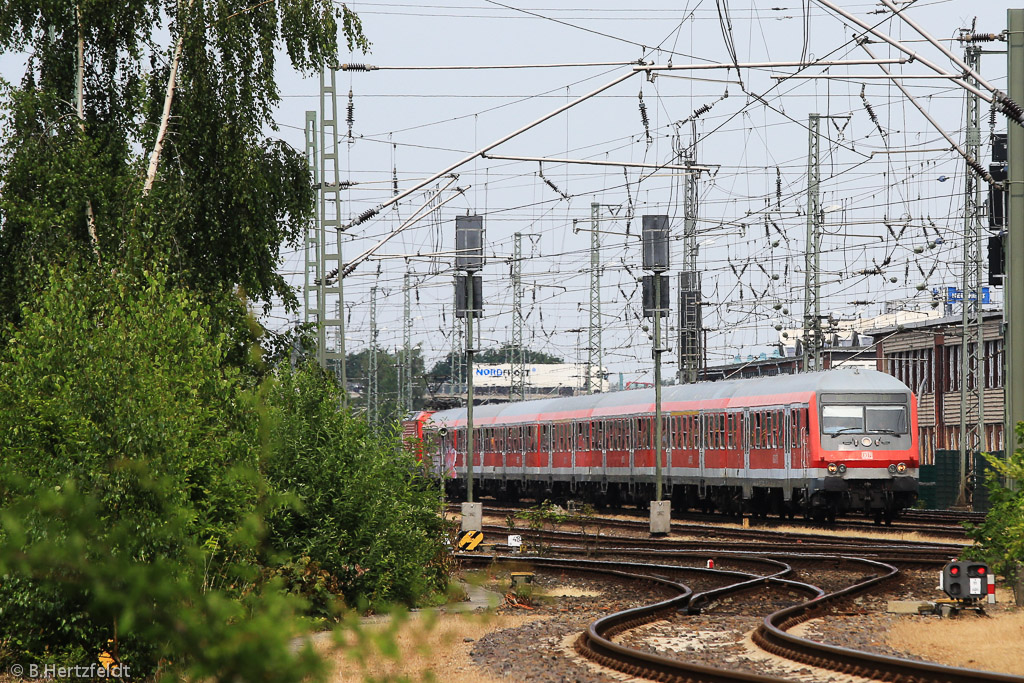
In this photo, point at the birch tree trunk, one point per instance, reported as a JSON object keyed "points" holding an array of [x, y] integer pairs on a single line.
{"points": [[165, 117], [80, 110]]}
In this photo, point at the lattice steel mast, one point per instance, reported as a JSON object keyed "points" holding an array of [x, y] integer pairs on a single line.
{"points": [[373, 398], [690, 345], [330, 292], [812, 283], [312, 272], [594, 359], [406, 370], [517, 390], [972, 411]]}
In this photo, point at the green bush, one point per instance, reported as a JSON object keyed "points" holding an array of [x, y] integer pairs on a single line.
{"points": [[359, 505], [160, 616], [999, 539], [129, 483], [156, 504]]}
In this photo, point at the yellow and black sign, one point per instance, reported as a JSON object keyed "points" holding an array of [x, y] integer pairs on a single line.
{"points": [[470, 540]]}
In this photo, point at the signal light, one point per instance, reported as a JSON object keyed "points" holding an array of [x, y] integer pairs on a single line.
{"points": [[966, 580]]}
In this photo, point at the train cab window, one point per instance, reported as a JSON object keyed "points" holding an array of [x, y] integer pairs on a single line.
{"points": [[842, 419], [864, 419], [886, 419]]}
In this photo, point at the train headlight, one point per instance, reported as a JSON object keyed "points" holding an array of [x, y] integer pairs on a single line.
{"points": [[892, 469], [833, 468], [901, 468], [866, 441], [842, 468]]}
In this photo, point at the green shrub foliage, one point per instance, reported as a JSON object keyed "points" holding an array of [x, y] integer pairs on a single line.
{"points": [[140, 474], [360, 508], [999, 539]]}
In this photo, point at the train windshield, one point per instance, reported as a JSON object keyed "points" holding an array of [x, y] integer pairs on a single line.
{"points": [[860, 419], [886, 419], [842, 419]]}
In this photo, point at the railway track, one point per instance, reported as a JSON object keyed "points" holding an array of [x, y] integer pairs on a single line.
{"points": [[567, 542], [700, 535], [601, 641], [938, 525]]}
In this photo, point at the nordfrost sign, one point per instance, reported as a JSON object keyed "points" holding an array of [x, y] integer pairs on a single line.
{"points": [[541, 377]]}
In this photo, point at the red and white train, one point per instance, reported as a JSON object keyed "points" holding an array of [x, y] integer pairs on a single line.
{"points": [[820, 444]]}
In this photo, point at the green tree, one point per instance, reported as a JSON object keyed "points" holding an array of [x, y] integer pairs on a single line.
{"points": [[362, 509], [114, 147], [999, 539], [129, 484], [388, 367]]}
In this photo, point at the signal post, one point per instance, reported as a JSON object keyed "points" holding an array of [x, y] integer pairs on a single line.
{"points": [[656, 305], [469, 257]]}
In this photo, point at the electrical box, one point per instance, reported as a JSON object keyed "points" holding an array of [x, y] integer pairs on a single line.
{"points": [[996, 259], [461, 299], [998, 198], [999, 143], [649, 300], [965, 580], [655, 236], [469, 243]]}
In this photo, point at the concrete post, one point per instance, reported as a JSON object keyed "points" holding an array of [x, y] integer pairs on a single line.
{"points": [[661, 517], [472, 516]]}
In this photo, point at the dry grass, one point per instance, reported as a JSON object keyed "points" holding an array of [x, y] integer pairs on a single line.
{"points": [[971, 641], [431, 648]]}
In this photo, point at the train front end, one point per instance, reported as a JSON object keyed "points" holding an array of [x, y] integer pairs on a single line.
{"points": [[864, 449]]}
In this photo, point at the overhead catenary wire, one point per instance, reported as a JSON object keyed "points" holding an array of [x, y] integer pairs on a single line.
{"points": [[641, 196]]}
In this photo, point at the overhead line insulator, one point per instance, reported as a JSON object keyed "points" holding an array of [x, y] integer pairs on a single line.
{"points": [[358, 67], [363, 217], [643, 118]]}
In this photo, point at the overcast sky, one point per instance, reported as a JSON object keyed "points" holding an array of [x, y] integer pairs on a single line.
{"points": [[419, 122], [414, 123]]}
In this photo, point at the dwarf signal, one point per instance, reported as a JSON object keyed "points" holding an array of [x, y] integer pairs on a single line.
{"points": [[968, 581]]}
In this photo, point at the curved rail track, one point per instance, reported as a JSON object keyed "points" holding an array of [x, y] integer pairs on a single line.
{"points": [[764, 572]]}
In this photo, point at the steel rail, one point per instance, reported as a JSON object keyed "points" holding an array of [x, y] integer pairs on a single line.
{"points": [[765, 543], [773, 637], [597, 643]]}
